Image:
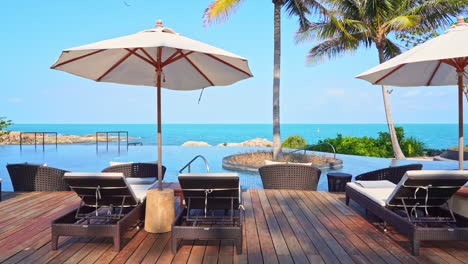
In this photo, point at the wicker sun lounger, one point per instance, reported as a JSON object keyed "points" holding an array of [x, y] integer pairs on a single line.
{"points": [[290, 176], [109, 206], [417, 206], [138, 172], [393, 174], [27, 177], [213, 209]]}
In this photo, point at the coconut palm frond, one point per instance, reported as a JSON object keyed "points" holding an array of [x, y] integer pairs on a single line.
{"points": [[402, 23], [438, 13], [219, 10], [335, 47], [298, 8], [390, 49]]}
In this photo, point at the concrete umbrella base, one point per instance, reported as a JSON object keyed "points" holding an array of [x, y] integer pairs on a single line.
{"points": [[160, 210]]}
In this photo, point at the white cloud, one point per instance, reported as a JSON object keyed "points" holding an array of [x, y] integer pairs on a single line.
{"points": [[15, 100], [335, 92]]}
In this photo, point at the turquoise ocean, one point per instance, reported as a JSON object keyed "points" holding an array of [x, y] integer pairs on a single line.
{"points": [[435, 136]]}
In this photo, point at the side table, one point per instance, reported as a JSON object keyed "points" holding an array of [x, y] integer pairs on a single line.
{"points": [[337, 181]]}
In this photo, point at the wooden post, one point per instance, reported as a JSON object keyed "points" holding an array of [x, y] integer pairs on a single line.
{"points": [[461, 145]]}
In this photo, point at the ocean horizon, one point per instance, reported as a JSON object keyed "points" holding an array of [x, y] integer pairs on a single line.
{"points": [[434, 136]]}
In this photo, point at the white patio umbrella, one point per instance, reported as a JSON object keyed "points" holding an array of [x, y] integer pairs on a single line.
{"points": [[157, 57], [438, 62]]}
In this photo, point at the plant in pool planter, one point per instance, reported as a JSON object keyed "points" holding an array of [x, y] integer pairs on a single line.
{"points": [[4, 124], [294, 142]]}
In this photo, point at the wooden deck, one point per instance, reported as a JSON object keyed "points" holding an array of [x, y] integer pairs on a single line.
{"points": [[280, 227]]}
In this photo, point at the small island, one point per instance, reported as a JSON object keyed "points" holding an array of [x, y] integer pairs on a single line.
{"points": [[13, 138]]}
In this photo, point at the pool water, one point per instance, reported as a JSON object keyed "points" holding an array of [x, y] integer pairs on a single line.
{"points": [[84, 158]]}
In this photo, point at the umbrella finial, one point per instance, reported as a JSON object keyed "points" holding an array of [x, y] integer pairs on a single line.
{"points": [[159, 23], [460, 21]]}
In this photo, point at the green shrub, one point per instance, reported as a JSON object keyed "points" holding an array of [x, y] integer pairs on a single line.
{"points": [[373, 147], [294, 142], [4, 124]]}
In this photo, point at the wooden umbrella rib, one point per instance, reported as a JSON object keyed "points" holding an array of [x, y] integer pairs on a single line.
{"points": [[228, 64], [172, 56], [198, 69], [141, 57], [433, 73], [77, 58], [390, 73], [176, 58], [149, 56], [130, 52]]}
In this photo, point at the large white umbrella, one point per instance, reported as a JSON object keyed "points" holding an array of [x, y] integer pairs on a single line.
{"points": [[157, 57], [438, 62]]}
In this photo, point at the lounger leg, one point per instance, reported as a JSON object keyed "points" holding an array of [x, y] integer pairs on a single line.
{"points": [[175, 243], [54, 242], [385, 226], [117, 242], [415, 247], [347, 200], [239, 245]]}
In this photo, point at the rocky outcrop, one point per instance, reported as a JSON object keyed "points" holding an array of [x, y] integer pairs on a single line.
{"points": [[13, 138], [196, 144], [256, 142]]}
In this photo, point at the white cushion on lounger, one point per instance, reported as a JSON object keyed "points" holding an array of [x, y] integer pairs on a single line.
{"points": [[378, 195], [208, 174], [132, 180], [376, 184], [139, 190]]}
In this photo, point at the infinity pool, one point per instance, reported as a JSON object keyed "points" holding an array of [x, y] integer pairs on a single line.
{"points": [[84, 158]]}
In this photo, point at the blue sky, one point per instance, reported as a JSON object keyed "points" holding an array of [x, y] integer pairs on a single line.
{"points": [[35, 32]]}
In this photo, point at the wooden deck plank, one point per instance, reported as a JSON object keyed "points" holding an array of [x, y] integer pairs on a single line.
{"points": [[183, 254], [281, 248], [281, 226], [350, 243], [266, 243], [157, 248], [305, 242], [325, 234], [297, 253], [254, 254], [373, 251], [327, 255], [360, 225]]}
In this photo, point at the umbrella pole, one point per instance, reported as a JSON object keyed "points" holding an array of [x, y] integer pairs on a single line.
{"points": [[158, 83], [460, 122]]}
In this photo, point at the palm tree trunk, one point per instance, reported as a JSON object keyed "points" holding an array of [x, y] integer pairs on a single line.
{"points": [[388, 113], [276, 80]]}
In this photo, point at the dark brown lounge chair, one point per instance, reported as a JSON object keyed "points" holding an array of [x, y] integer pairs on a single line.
{"points": [[109, 207], [138, 172], [34, 177], [393, 174], [213, 209], [290, 176], [418, 206]]}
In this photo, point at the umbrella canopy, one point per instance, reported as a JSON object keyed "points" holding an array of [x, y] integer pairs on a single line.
{"points": [[438, 62], [157, 57]]}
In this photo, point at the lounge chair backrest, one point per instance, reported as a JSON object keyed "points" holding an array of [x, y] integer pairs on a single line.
{"points": [[393, 174], [137, 170], [432, 188], [103, 189], [290, 176], [219, 189], [34, 177]]}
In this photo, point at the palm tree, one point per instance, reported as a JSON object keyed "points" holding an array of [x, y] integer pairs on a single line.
{"points": [[219, 10], [352, 24]]}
